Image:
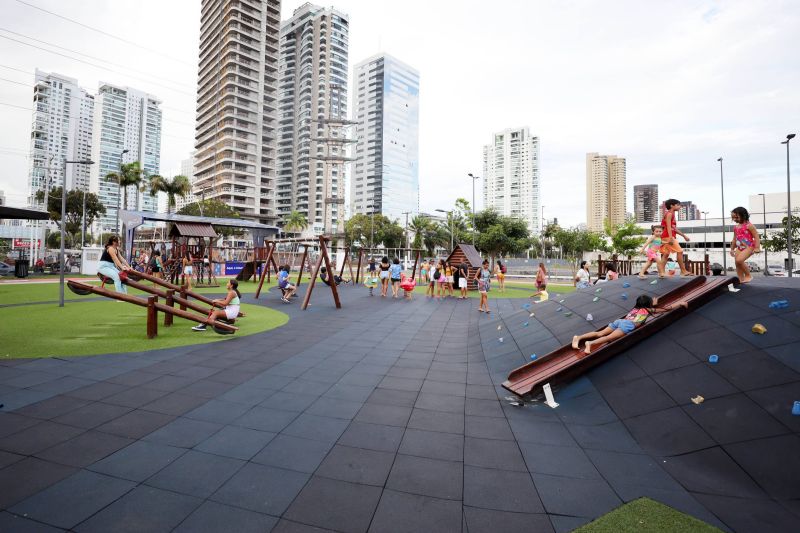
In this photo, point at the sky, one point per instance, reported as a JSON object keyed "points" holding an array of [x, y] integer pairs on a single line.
{"points": [[671, 86]]}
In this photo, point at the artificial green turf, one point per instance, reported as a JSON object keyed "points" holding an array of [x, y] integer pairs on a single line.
{"points": [[512, 290], [645, 515], [88, 328]]}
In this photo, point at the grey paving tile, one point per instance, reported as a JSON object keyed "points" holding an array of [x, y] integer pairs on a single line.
{"points": [[293, 453], [218, 411], [289, 401], [142, 509], [236, 442], [334, 407], [440, 402], [393, 397], [97, 391], [489, 521], [588, 498], [391, 415], [138, 461], [175, 403], [404, 384], [19, 524], [84, 449], [183, 433], [74, 499], [11, 423], [437, 421], [399, 512], [339, 505], [36, 438], [320, 428], [568, 461], [266, 419], [8, 458], [262, 489], [356, 465], [92, 415], [196, 474], [29, 476], [427, 477], [136, 424], [500, 490], [212, 517], [432, 444], [489, 453], [372, 436], [52, 407]]}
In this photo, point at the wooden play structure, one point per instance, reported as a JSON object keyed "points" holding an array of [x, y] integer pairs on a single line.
{"points": [[190, 238], [631, 267], [362, 260], [167, 293], [467, 253]]}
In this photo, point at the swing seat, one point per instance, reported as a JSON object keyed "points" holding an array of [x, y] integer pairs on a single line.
{"points": [[222, 331], [79, 292]]}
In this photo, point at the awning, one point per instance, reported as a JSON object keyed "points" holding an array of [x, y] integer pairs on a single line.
{"points": [[193, 229], [21, 213]]}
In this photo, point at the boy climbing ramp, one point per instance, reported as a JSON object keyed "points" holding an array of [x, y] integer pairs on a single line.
{"points": [[645, 307]]}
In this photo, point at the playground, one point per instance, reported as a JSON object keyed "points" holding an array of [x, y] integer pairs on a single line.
{"points": [[381, 414]]}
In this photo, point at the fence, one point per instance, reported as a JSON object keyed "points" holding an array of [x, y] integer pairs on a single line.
{"points": [[630, 266]]}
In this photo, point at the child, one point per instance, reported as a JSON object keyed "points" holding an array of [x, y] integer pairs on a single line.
{"points": [[483, 277], [541, 281], [371, 279], [231, 303], [441, 281], [611, 271], [156, 266], [287, 289], [188, 270], [384, 275], [669, 243], [583, 279], [407, 283], [645, 307], [463, 279], [396, 270], [500, 274], [448, 270], [423, 271], [431, 279], [744, 244], [651, 248]]}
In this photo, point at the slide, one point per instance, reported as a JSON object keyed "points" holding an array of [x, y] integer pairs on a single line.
{"points": [[566, 363], [247, 272]]}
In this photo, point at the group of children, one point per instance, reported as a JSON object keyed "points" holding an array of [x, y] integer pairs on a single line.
{"points": [[388, 274]]}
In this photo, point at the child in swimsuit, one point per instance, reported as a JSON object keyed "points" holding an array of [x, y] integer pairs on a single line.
{"points": [[651, 249], [745, 243]]}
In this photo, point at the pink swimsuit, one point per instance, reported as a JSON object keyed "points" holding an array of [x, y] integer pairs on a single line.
{"points": [[744, 239]]}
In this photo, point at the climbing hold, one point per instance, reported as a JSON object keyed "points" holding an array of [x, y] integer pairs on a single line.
{"points": [[595, 298], [626, 285], [532, 314], [499, 328], [731, 288], [713, 358], [524, 324], [561, 301], [796, 408], [654, 282], [500, 339], [568, 314], [599, 290], [697, 400], [624, 296], [589, 317], [559, 309], [759, 329], [779, 304], [533, 356], [526, 306]]}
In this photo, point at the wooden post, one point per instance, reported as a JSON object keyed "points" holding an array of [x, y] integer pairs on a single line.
{"points": [[331, 281], [302, 264], [311, 282], [707, 268], [358, 269], [264, 272], [171, 303], [152, 317], [183, 296]]}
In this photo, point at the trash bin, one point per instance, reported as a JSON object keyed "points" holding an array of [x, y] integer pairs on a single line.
{"points": [[21, 268]]}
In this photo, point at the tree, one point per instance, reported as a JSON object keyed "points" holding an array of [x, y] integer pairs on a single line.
{"points": [[391, 233], [626, 237], [177, 186], [75, 213], [215, 209], [498, 234], [128, 174], [296, 222], [777, 242], [435, 236], [359, 229], [575, 242], [418, 226]]}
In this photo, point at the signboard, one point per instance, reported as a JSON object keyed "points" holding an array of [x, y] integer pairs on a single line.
{"points": [[25, 243], [233, 267]]}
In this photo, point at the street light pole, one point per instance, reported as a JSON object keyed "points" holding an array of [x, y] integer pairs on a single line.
{"points": [[62, 262], [764, 209], [722, 194], [789, 204], [474, 179], [119, 189]]}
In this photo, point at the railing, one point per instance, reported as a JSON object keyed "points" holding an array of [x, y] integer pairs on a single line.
{"points": [[630, 266]]}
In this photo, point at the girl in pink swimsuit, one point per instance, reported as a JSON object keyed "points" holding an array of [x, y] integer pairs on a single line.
{"points": [[744, 244]]}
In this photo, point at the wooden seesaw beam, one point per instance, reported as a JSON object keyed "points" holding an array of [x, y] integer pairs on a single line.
{"points": [[167, 285], [152, 306]]}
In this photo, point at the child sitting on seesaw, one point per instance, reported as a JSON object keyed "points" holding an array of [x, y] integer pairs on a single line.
{"points": [[645, 307], [287, 289], [231, 303], [407, 283]]}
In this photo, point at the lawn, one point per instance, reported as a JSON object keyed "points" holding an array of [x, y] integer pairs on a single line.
{"points": [[645, 515], [513, 290], [92, 327]]}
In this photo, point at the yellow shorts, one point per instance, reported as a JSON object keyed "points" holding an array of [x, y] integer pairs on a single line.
{"points": [[671, 248]]}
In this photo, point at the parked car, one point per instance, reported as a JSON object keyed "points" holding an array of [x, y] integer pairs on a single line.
{"points": [[753, 266], [777, 270], [6, 269]]}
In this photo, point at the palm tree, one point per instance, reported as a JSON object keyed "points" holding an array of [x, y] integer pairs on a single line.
{"points": [[128, 174], [296, 222], [177, 186], [418, 226]]}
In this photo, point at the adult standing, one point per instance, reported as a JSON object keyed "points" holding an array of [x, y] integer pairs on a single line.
{"points": [[396, 270], [112, 264], [483, 276], [463, 279], [583, 279], [500, 274]]}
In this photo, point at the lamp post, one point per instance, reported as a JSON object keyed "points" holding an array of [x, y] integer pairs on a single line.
{"points": [[449, 224], [119, 188], [62, 262], [764, 210], [722, 194], [406, 213], [788, 204], [474, 179], [705, 230]]}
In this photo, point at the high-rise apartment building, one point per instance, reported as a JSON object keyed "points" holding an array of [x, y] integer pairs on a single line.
{"points": [[236, 105], [605, 190], [688, 211], [385, 175], [187, 166], [645, 203], [124, 119], [312, 140], [511, 176], [61, 131]]}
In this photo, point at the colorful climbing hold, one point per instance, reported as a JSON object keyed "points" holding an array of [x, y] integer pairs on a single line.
{"points": [[533, 356], [561, 301], [500, 339], [599, 290], [499, 328], [779, 304], [697, 400], [532, 314], [595, 298], [796, 408], [713, 358], [626, 285], [759, 329], [624, 296], [654, 282], [559, 309], [568, 314], [589, 317]]}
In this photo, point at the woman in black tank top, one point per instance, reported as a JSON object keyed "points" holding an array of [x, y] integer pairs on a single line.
{"points": [[112, 263]]}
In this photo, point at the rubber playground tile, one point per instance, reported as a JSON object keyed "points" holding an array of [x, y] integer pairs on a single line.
{"points": [[340, 505], [668, 432], [659, 353], [73, 500], [196, 474], [175, 403], [680, 500], [772, 462], [390, 415], [85, 449], [305, 386], [136, 424], [632, 469], [170, 383], [403, 384], [712, 471], [500, 490], [735, 418], [587, 409], [138, 461], [19, 524], [97, 391], [779, 331], [567, 524], [497, 454], [588, 498], [36, 438], [218, 411], [778, 402], [432, 444], [719, 340], [247, 395], [558, 460], [377, 437], [62, 385], [349, 392], [92, 415], [7, 458], [489, 521], [262, 489], [293, 453], [11, 423], [29, 476], [754, 370], [52, 407], [142, 509], [399, 512], [488, 427], [289, 401], [636, 397], [212, 517], [437, 421], [183, 433], [440, 402], [788, 354], [613, 436], [483, 391], [427, 477], [368, 467], [18, 398], [444, 387], [236, 442], [134, 397], [685, 383], [541, 431], [615, 371], [750, 514]]}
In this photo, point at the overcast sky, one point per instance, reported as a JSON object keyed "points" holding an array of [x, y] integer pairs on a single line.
{"points": [[672, 86]]}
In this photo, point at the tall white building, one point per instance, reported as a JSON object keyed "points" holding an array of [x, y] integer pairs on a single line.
{"points": [[124, 119], [61, 131], [385, 175], [312, 140], [187, 166], [511, 176], [236, 105], [605, 190]]}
